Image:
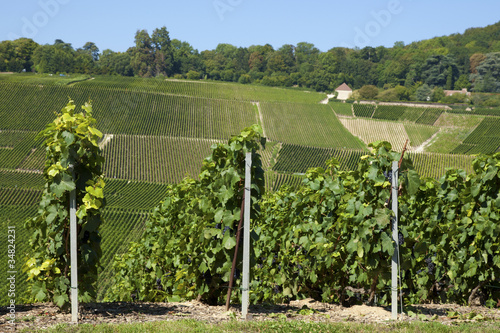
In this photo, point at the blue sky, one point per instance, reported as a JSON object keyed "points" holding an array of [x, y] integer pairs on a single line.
{"points": [[206, 23]]}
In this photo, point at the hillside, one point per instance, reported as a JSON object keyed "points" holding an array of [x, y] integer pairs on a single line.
{"points": [[156, 131]]}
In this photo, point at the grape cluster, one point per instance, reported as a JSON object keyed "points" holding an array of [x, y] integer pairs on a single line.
{"points": [[158, 284], [388, 176], [401, 238], [430, 266], [277, 289]]}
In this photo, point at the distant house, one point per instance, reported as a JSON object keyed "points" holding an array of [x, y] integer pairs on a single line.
{"points": [[344, 92], [451, 92]]}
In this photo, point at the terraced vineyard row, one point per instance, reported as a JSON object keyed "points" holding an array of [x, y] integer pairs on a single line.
{"points": [[207, 89], [130, 224], [14, 216], [418, 134], [434, 165], [484, 139], [133, 194], [117, 111], [275, 180], [477, 111], [154, 158], [306, 124], [344, 109], [398, 112], [19, 196], [14, 178], [371, 130], [16, 147], [429, 117], [297, 159], [363, 110]]}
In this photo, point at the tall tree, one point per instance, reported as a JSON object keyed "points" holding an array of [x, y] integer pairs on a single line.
{"points": [[92, 50], [162, 50], [487, 78], [142, 54]]}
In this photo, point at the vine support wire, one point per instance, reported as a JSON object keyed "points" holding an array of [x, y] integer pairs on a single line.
{"points": [[73, 251], [395, 256]]}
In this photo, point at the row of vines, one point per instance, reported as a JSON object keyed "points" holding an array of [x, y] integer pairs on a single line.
{"points": [[329, 239], [425, 116]]}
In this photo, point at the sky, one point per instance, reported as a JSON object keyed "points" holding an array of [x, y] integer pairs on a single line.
{"points": [[206, 23]]}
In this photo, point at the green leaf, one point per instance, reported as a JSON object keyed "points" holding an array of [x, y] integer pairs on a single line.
{"points": [[95, 131], [69, 138], [229, 242], [61, 299], [413, 182], [387, 243]]}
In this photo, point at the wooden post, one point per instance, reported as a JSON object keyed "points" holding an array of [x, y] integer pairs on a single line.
{"points": [[246, 239], [73, 252]]}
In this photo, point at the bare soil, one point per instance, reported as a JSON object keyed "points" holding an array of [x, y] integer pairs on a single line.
{"points": [[42, 316]]}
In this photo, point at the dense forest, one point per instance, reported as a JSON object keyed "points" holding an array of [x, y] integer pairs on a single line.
{"points": [[470, 60]]}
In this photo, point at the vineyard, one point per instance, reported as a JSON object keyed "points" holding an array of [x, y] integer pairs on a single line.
{"points": [[418, 134], [372, 130], [305, 124], [363, 110], [297, 159], [154, 159], [484, 139], [126, 112], [344, 109], [158, 131]]}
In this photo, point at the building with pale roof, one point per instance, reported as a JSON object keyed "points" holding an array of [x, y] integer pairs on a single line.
{"points": [[343, 92]]}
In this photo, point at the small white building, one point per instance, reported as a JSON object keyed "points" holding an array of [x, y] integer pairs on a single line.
{"points": [[451, 92], [344, 92]]}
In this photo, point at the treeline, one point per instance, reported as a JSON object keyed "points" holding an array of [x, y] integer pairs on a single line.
{"points": [[470, 60]]}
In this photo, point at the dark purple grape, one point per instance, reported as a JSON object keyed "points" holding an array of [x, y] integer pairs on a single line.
{"points": [[401, 238]]}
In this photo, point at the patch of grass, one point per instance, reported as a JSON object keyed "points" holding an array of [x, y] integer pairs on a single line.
{"points": [[275, 326], [447, 140], [458, 120], [418, 134]]}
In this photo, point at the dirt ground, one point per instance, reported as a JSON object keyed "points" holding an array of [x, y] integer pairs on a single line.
{"points": [[46, 315]]}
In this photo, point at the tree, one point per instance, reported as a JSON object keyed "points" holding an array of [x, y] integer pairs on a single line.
{"points": [[117, 63], [487, 78], [423, 93], [16, 56], [162, 52], [368, 92], [462, 82], [59, 57], [142, 57], [449, 79], [92, 50], [437, 94], [436, 71], [475, 60]]}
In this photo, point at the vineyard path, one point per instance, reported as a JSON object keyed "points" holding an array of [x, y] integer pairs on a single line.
{"points": [[261, 118], [105, 140], [325, 101], [421, 148]]}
